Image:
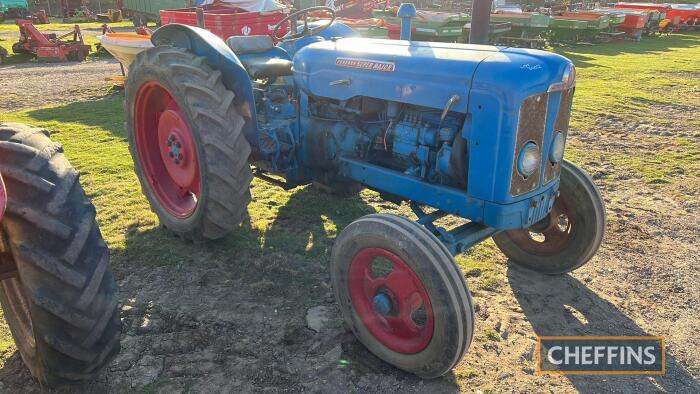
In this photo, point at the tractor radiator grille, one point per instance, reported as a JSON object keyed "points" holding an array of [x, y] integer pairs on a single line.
{"points": [[531, 126], [561, 125]]}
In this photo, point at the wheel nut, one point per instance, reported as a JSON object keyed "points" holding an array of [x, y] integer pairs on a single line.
{"points": [[170, 143], [179, 156], [177, 144], [171, 154]]}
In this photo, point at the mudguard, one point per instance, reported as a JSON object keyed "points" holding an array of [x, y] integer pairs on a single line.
{"points": [[3, 198], [220, 57]]}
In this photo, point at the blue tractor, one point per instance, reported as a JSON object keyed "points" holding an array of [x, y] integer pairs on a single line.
{"points": [[473, 131]]}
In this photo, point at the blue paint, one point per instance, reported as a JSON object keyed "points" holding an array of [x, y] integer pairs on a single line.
{"points": [[382, 304], [406, 12], [391, 115]]}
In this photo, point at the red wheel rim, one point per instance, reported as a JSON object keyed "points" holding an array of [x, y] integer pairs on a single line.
{"points": [[167, 150], [401, 330]]}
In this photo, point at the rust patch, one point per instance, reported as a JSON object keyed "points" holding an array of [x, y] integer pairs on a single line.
{"points": [[531, 123]]}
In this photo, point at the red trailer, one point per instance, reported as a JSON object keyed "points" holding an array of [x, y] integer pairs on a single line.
{"points": [[227, 21]]}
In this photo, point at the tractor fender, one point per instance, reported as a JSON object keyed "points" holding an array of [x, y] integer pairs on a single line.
{"points": [[220, 57], [3, 198]]}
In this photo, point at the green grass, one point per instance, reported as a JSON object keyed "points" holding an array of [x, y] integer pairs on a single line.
{"points": [[57, 25], [625, 79]]}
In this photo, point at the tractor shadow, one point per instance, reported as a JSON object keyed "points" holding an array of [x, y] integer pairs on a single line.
{"points": [[106, 112], [562, 305], [257, 284]]}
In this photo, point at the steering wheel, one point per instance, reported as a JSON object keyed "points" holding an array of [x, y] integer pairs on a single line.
{"points": [[295, 17]]}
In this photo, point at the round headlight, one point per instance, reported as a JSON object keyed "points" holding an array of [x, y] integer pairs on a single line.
{"points": [[528, 159], [556, 153], [569, 75]]}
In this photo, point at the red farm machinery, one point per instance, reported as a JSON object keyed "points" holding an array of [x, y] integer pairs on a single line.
{"points": [[50, 47]]}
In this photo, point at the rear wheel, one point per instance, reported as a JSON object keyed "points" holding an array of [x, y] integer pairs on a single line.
{"points": [[186, 139], [57, 293], [569, 236], [402, 295]]}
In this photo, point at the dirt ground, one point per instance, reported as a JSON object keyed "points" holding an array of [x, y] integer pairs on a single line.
{"points": [[206, 325], [29, 85]]}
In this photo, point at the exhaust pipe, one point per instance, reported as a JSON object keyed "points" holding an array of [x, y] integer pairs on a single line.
{"points": [[481, 16]]}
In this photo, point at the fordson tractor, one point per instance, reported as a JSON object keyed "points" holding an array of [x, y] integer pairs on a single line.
{"points": [[473, 131], [56, 290]]}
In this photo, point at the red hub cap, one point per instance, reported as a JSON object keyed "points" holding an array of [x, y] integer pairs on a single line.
{"points": [[167, 150], [390, 300]]}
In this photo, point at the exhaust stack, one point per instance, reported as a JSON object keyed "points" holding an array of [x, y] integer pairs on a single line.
{"points": [[481, 16]]}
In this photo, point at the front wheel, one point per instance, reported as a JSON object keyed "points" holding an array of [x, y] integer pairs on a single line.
{"points": [[186, 139], [569, 236], [402, 295]]}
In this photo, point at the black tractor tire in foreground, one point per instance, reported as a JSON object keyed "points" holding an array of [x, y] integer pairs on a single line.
{"points": [[61, 300], [421, 272], [569, 237], [215, 125]]}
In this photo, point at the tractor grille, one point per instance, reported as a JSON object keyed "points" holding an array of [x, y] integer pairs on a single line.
{"points": [[531, 125], [561, 125]]}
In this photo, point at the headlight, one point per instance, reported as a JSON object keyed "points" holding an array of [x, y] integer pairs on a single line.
{"points": [[568, 80], [556, 152], [528, 159]]}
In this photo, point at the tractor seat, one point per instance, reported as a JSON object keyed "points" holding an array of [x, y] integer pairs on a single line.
{"points": [[259, 67], [243, 45]]}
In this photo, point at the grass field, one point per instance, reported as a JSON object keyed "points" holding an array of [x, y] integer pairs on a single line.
{"points": [[625, 82]]}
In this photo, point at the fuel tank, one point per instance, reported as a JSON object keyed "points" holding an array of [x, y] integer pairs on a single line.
{"points": [[419, 73]]}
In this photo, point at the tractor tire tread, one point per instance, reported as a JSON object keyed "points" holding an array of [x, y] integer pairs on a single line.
{"points": [[62, 261], [226, 175]]}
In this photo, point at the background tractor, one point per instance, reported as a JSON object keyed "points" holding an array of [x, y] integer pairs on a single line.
{"points": [[13, 9], [56, 290], [475, 132]]}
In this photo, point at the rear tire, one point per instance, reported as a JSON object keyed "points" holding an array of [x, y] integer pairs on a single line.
{"points": [[61, 302], [569, 237], [204, 116], [422, 276]]}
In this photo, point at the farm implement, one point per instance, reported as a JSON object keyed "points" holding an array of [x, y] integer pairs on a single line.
{"points": [[634, 24], [680, 16], [50, 47], [429, 25], [56, 290], [497, 30], [474, 132], [13, 9], [526, 29], [576, 27]]}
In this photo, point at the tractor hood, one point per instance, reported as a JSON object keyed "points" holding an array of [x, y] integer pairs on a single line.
{"points": [[421, 73]]}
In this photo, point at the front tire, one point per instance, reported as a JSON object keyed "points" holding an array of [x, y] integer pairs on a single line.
{"points": [[61, 300], [569, 236], [402, 295], [186, 139]]}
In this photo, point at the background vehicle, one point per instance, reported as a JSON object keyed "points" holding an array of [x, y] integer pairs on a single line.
{"points": [[477, 132], [56, 290], [13, 9], [144, 11]]}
